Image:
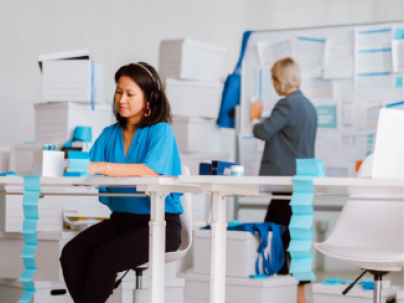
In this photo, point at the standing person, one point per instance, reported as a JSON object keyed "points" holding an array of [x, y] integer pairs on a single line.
{"points": [[289, 134], [141, 143]]}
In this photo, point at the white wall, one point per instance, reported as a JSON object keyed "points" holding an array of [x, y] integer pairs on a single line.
{"points": [[121, 31]]}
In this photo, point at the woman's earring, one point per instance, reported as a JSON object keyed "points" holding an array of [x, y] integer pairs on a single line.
{"points": [[147, 111]]}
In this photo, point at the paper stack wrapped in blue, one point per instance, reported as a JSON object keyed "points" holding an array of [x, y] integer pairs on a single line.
{"points": [[78, 164], [30, 223], [300, 227]]}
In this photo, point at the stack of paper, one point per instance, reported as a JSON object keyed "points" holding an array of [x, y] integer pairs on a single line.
{"points": [[300, 227], [196, 135], [72, 76], [78, 164], [55, 122]]}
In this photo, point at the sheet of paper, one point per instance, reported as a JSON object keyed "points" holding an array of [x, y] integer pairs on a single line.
{"points": [[398, 33], [327, 116], [309, 54], [265, 91], [374, 81], [317, 89], [338, 59], [249, 155], [269, 52], [328, 145], [371, 37], [377, 60], [398, 55]]}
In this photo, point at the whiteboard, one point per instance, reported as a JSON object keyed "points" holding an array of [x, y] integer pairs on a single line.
{"points": [[347, 94]]}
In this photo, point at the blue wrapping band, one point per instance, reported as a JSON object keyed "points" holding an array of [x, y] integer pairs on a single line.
{"points": [[300, 227], [80, 134]]}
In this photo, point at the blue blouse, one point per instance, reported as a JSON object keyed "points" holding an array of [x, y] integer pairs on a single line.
{"points": [[154, 146]]}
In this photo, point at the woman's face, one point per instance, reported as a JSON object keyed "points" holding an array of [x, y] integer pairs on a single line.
{"points": [[129, 99]]}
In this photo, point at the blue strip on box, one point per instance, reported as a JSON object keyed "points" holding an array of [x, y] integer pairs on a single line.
{"points": [[301, 224]]}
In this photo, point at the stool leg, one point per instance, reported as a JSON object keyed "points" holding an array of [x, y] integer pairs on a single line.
{"points": [[377, 293]]}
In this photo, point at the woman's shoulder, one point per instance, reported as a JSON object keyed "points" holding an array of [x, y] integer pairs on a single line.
{"points": [[161, 127]]}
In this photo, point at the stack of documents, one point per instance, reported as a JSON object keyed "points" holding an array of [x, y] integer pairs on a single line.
{"points": [[78, 163], [55, 122], [72, 76], [196, 135]]}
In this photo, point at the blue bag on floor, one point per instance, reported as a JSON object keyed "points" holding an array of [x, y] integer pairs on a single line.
{"points": [[231, 90], [273, 262]]}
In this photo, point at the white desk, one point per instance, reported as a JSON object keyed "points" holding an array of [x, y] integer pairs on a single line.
{"points": [[222, 186], [155, 187]]}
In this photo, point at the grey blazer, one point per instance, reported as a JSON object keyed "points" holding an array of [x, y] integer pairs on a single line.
{"points": [[289, 134]]}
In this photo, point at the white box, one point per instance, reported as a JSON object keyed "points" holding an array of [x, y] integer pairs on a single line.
{"points": [[71, 76], [51, 208], [12, 215], [4, 158], [192, 60], [333, 294], [196, 135], [194, 99], [55, 122], [50, 245], [126, 292], [48, 163], [400, 296], [23, 155], [241, 290], [241, 252], [46, 292]]}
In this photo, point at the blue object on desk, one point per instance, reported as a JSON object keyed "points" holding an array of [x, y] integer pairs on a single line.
{"points": [[219, 166], [80, 134], [205, 169]]}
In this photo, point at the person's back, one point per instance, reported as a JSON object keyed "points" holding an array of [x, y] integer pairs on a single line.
{"points": [[296, 139]]}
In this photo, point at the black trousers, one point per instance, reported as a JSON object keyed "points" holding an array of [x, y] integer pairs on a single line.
{"points": [[280, 212], [91, 261]]}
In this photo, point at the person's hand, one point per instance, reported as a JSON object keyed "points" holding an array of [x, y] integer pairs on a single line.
{"points": [[256, 110], [96, 168]]}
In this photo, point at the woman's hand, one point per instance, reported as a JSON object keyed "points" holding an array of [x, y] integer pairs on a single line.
{"points": [[256, 110], [96, 168]]}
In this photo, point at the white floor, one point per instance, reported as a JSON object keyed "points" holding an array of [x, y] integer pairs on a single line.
{"points": [[396, 278]]}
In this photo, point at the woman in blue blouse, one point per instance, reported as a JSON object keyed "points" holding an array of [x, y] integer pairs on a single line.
{"points": [[141, 143]]}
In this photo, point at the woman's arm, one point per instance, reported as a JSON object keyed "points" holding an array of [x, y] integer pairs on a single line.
{"points": [[120, 170]]}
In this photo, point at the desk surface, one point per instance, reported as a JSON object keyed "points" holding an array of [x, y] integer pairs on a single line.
{"points": [[94, 181], [327, 186]]}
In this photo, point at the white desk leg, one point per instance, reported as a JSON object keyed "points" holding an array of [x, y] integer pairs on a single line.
{"points": [[157, 247], [218, 259]]}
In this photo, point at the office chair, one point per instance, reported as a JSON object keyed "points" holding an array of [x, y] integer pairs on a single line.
{"points": [[369, 234], [186, 237]]}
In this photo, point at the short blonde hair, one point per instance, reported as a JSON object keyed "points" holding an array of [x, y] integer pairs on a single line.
{"points": [[287, 72]]}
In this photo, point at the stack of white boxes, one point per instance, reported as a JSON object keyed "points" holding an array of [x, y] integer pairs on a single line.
{"points": [[241, 255], [73, 95], [192, 73]]}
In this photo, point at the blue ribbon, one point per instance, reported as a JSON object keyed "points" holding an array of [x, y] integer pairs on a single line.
{"points": [[80, 134]]}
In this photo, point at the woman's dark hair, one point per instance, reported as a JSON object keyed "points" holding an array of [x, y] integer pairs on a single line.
{"points": [[152, 90]]}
